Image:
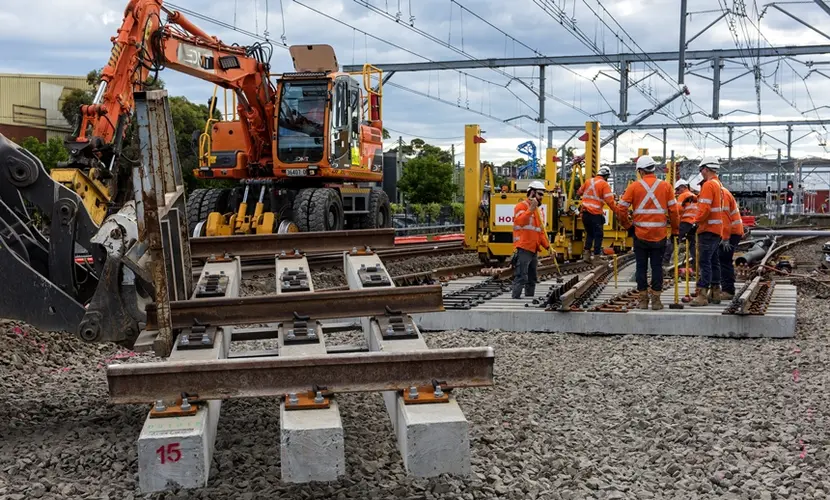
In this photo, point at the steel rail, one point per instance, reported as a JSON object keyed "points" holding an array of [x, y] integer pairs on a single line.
{"points": [[256, 245], [260, 263], [278, 376], [317, 305]]}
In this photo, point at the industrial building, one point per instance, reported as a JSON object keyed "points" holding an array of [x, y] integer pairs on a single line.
{"points": [[30, 105]]}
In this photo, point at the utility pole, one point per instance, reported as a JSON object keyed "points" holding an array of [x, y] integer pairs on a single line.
{"points": [[399, 165], [681, 60], [778, 178]]}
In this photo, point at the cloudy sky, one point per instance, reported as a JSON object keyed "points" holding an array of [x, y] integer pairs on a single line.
{"points": [[58, 37]]}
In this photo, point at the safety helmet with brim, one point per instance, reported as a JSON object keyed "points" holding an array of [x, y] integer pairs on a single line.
{"points": [[645, 163]]}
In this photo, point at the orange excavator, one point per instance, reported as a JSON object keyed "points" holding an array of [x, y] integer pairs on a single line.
{"points": [[310, 143], [307, 145]]}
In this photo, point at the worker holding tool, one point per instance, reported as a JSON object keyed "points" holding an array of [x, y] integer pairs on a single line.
{"points": [[528, 237], [652, 200], [595, 193], [710, 233], [735, 230]]}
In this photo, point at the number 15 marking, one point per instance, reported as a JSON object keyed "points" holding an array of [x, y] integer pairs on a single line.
{"points": [[170, 453]]}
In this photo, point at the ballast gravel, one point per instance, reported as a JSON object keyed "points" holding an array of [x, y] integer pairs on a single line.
{"points": [[570, 417]]}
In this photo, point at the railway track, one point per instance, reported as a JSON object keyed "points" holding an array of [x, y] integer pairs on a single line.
{"points": [[321, 260]]}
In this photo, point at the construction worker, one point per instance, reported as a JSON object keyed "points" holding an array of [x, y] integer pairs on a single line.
{"points": [[735, 230], [687, 207], [652, 201], [710, 233], [595, 193], [528, 237]]}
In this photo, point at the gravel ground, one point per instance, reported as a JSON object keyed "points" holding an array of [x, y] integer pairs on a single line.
{"points": [[571, 416]]}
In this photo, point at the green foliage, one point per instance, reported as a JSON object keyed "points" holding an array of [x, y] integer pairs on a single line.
{"points": [[433, 210], [396, 208], [420, 211], [386, 134], [457, 210], [71, 107], [427, 179], [49, 153]]}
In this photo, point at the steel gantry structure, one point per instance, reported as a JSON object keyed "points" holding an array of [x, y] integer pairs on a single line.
{"points": [[617, 130], [622, 62]]}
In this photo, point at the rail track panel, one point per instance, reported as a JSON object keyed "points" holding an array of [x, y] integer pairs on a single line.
{"points": [[433, 435], [610, 308]]}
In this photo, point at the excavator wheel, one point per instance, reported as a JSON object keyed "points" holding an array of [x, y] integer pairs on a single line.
{"points": [[194, 204], [325, 211], [379, 210], [215, 200], [301, 208]]}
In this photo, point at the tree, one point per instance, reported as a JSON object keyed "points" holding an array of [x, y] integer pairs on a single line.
{"points": [[427, 179], [49, 153]]}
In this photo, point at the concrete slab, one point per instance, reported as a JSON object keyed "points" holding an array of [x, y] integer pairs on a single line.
{"points": [[505, 313], [175, 452], [433, 438], [311, 441]]}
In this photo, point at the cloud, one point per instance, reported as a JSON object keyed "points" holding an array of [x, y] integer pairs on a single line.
{"points": [[69, 40]]}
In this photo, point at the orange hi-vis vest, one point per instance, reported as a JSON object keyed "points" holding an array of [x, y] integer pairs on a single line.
{"points": [[733, 213], [528, 228], [594, 193], [653, 201], [687, 204], [710, 210]]}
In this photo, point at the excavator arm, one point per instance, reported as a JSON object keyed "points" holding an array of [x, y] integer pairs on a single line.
{"points": [[145, 45]]}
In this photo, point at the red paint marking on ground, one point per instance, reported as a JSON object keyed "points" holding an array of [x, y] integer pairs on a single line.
{"points": [[803, 449], [120, 355], [796, 350], [796, 375]]}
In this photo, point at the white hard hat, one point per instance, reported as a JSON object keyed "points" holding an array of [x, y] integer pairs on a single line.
{"points": [[709, 162], [604, 171], [645, 163], [537, 185], [695, 182], [681, 182]]}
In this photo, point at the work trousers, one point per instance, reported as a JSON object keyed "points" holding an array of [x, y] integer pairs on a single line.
{"points": [[727, 264], [524, 273], [593, 231], [709, 265], [645, 253], [686, 233]]}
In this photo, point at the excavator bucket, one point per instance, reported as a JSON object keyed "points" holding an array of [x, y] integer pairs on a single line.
{"points": [[313, 58]]}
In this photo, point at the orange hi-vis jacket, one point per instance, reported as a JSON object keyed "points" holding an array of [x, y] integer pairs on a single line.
{"points": [[733, 213], [594, 193], [710, 209], [528, 228], [652, 200], [687, 205]]}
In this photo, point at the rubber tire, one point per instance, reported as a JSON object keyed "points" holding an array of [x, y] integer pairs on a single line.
{"points": [[301, 208], [378, 207], [325, 202], [215, 200], [194, 204]]}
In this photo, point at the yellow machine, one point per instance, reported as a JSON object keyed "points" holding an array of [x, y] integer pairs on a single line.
{"points": [[488, 210], [261, 222]]}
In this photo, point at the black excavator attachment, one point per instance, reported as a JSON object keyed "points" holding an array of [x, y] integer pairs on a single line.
{"points": [[47, 284]]}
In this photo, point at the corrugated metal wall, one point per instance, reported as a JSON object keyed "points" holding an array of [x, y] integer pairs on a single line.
{"points": [[35, 100]]}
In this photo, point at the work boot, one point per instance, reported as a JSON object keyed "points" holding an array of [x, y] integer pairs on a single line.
{"points": [[656, 305], [714, 295], [702, 298], [586, 256], [642, 302], [727, 296], [530, 292]]}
